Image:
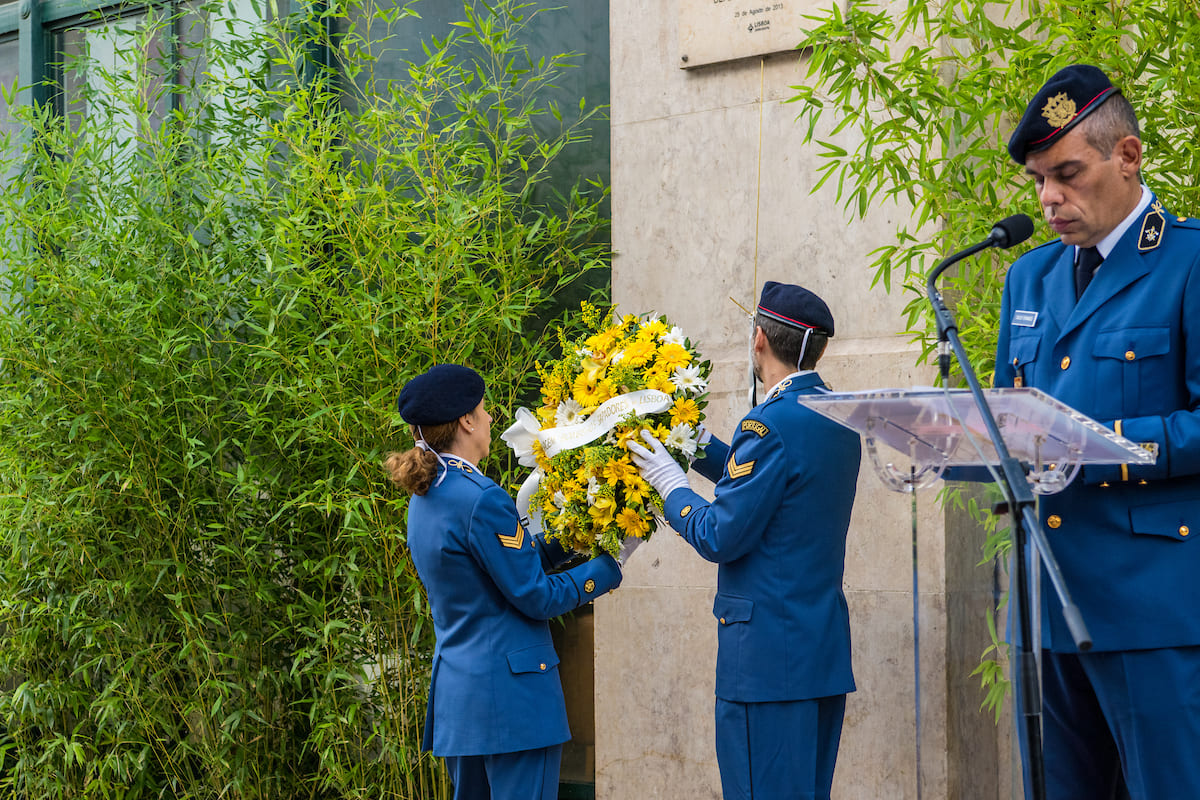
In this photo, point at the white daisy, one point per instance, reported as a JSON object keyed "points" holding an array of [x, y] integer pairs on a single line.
{"points": [[560, 500], [688, 378], [593, 487], [682, 438], [673, 336], [568, 412]]}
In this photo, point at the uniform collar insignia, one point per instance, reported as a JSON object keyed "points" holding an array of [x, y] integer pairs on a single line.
{"points": [[460, 464], [1153, 225]]}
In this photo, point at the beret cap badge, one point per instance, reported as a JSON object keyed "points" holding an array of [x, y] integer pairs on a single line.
{"points": [[1059, 110]]}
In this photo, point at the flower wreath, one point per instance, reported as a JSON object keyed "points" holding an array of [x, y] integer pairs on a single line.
{"points": [[625, 375]]}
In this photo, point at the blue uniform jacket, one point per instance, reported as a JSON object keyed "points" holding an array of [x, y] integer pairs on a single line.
{"points": [[495, 686], [777, 526], [1127, 355]]}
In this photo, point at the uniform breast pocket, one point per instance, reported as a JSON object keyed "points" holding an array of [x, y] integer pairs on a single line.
{"points": [[1022, 352], [1129, 361]]}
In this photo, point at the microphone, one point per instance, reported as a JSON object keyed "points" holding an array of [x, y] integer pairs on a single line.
{"points": [[1011, 231], [1005, 233]]}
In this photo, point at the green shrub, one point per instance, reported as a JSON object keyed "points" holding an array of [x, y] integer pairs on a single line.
{"points": [[207, 315]]}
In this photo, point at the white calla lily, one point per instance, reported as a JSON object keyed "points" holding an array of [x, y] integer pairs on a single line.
{"points": [[521, 435]]}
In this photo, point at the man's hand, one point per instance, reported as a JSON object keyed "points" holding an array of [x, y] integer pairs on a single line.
{"points": [[657, 466]]}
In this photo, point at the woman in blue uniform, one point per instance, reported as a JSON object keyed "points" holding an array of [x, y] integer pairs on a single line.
{"points": [[496, 711]]}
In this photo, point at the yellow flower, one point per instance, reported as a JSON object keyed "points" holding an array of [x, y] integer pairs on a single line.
{"points": [[685, 411], [603, 341], [624, 433], [619, 470], [638, 352], [604, 391], [593, 370], [661, 381], [654, 328], [631, 523], [545, 415], [636, 490], [672, 355], [585, 393], [603, 510]]}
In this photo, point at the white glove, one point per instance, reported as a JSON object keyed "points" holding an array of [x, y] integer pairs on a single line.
{"points": [[657, 466], [630, 544]]}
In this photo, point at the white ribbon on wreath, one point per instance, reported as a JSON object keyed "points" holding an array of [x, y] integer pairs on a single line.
{"points": [[521, 435]]}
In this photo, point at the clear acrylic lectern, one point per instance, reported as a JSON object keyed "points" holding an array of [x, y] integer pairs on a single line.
{"points": [[937, 429]]}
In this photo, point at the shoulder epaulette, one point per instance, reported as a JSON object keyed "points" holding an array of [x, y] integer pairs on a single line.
{"points": [[1186, 222]]}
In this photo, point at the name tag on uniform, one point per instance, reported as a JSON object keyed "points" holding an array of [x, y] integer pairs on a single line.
{"points": [[1024, 319]]}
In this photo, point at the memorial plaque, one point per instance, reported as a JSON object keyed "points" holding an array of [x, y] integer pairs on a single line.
{"points": [[722, 30]]}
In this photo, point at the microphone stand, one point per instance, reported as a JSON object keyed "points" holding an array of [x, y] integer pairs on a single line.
{"points": [[1020, 503]]}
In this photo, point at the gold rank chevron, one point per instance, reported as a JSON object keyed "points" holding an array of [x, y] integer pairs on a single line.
{"points": [[737, 470], [515, 541]]}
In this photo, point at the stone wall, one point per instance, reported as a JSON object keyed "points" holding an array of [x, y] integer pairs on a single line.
{"points": [[711, 197]]}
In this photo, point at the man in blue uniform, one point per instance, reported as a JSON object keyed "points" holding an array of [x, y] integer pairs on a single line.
{"points": [[496, 710], [777, 527], [1121, 343]]}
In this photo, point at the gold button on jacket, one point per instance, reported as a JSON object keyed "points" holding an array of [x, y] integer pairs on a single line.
{"points": [[1054, 520], [1066, 362]]}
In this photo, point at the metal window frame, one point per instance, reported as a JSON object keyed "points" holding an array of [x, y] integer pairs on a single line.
{"points": [[35, 21]]}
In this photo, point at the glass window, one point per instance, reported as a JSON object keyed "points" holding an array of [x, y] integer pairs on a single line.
{"points": [[9, 54], [111, 71], [126, 69]]}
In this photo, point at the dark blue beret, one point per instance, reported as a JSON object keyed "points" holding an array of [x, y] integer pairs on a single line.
{"points": [[795, 306], [443, 394], [1068, 97]]}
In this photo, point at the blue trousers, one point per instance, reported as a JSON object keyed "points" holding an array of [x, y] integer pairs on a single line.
{"points": [[1122, 722], [526, 775], [779, 751]]}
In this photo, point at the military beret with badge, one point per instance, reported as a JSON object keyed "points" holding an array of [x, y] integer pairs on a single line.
{"points": [[1062, 103]]}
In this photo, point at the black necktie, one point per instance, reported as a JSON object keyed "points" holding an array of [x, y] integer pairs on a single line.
{"points": [[1085, 266]]}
